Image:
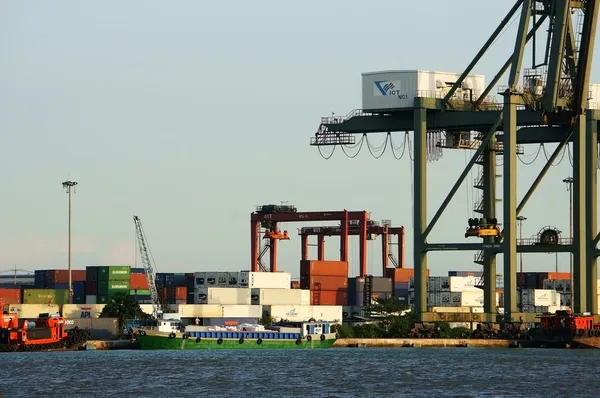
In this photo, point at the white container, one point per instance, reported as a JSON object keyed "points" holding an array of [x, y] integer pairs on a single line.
{"points": [[565, 299], [477, 310], [211, 279], [233, 279], [82, 310], [293, 313], [471, 299], [147, 308], [411, 283], [445, 297], [593, 100], [27, 311], [242, 311], [434, 299], [455, 299], [280, 297], [200, 311], [91, 299], [222, 295], [463, 284], [327, 313], [397, 89], [265, 280], [546, 298]]}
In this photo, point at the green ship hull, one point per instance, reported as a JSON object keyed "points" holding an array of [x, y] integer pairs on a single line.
{"points": [[158, 342]]}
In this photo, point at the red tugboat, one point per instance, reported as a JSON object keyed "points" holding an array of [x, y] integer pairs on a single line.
{"points": [[42, 334], [564, 330]]}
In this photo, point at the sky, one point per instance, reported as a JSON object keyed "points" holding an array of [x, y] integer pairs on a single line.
{"points": [[190, 114]]}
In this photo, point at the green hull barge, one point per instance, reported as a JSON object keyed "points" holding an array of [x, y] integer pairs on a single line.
{"points": [[307, 335]]}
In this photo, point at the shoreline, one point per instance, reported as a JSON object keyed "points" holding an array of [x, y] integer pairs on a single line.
{"points": [[432, 343]]}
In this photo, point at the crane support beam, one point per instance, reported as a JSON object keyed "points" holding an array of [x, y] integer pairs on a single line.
{"points": [[420, 206], [586, 55], [483, 50], [507, 64], [542, 173], [484, 144], [591, 203], [558, 26], [497, 247]]}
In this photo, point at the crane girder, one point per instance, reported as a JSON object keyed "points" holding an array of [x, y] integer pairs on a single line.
{"points": [[148, 267]]}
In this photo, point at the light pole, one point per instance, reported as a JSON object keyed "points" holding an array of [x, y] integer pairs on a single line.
{"points": [[520, 219], [69, 186], [569, 182]]}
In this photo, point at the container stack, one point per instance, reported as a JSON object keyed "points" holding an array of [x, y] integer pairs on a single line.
{"points": [[172, 288], [563, 287], [104, 281], [381, 288], [537, 300], [327, 281], [57, 278], [240, 297], [400, 277], [452, 291], [45, 296], [138, 286]]}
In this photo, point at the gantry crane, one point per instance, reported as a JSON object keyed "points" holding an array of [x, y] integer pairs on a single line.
{"points": [[552, 106], [150, 269]]}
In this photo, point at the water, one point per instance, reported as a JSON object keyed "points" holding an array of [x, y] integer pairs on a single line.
{"points": [[351, 372]]}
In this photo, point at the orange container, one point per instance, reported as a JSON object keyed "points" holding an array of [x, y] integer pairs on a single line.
{"points": [[62, 276], [324, 282], [559, 275], [329, 297], [10, 296], [295, 285], [181, 293], [400, 275], [323, 268], [138, 281]]}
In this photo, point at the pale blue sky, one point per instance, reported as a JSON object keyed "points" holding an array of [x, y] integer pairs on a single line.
{"points": [[190, 113]]}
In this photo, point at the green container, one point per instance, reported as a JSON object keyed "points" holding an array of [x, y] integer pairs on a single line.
{"points": [[139, 292], [103, 273], [119, 272], [102, 288], [45, 296], [102, 299], [118, 286], [78, 299]]}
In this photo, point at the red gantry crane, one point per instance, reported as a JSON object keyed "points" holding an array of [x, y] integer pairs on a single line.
{"points": [[374, 229], [268, 216]]}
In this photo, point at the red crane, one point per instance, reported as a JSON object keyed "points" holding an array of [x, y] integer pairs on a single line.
{"points": [[268, 216], [373, 230]]}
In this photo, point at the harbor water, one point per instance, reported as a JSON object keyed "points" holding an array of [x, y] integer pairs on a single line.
{"points": [[343, 372]]}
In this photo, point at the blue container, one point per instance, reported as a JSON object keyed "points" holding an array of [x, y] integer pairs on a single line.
{"points": [[179, 280], [40, 279], [161, 280], [61, 286], [143, 299], [79, 288], [138, 271]]}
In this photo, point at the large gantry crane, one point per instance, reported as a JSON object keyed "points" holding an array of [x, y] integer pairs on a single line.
{"points": [[550, 107], [148, 266]]}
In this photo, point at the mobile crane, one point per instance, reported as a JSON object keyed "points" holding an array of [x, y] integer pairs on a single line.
{"points": [[148, 267]]}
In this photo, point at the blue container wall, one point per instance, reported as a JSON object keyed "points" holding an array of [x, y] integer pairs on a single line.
{"points": [[91, 273], [179, 280], [40, 279], [60, 286], [79, 288], [351, 291]]}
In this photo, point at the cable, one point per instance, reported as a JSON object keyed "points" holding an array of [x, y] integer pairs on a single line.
{"points": [[534, 157]]}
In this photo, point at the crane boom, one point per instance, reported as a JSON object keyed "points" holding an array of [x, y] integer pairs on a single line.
{"points": [[148, 267]]}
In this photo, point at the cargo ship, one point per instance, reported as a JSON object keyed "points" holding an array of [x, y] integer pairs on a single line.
{"points": [[566, 330], [168, 336]]}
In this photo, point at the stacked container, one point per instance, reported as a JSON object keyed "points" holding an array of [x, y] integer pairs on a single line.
{"points": [[57, 278], [10, 295], [381, 288], [105, 281], [452, 291], [400, 277], [45, 296], [327, 281]]}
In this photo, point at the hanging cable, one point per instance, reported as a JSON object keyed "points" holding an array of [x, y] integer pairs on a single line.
{"points": [[534, 157], [359, 144]]}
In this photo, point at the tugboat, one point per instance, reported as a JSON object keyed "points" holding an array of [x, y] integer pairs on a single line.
{"points": [[47, 332], [566, 330], [168, 336]]}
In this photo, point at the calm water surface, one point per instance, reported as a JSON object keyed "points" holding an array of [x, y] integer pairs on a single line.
{"points": [[352, 372]]}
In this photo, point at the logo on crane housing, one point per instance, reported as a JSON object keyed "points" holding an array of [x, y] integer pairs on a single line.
{"points": [[388, 88]]}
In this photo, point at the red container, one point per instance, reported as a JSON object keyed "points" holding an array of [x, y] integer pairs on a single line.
{"points": [[10, 296], [180, 293], [91, 288], [400, 275], [324, 282], [62, 276], [138, 282], [323, 268], [329, 297]]}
